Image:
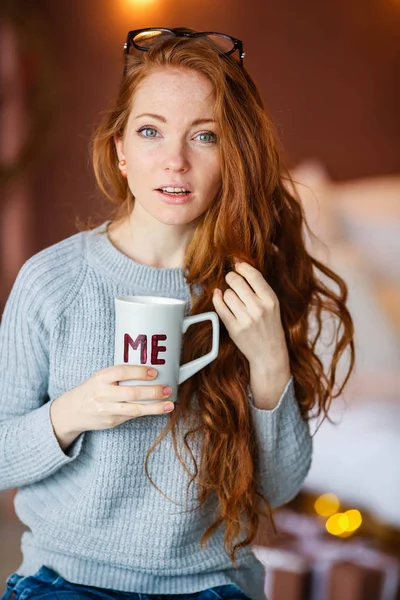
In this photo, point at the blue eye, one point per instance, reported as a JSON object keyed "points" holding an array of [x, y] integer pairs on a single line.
{"points": [[209, 133], [204, 133], [146, 129]]}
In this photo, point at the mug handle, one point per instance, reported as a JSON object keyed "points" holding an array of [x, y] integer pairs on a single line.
{"points": [[188, 369]]}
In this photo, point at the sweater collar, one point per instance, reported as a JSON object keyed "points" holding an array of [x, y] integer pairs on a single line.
{"points": [[107, 258]]}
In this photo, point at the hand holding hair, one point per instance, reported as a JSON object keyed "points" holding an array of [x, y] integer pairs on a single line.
{"points": [[250, 312]]}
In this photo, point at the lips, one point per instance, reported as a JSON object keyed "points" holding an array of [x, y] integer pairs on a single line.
{"points": [[175, 185], [175, 199]]}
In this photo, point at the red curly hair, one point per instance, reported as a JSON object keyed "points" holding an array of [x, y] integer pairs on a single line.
{"points": [[257, 217]]}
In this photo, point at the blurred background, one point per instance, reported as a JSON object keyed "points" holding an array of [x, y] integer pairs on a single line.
{"points": [[329, 76]]}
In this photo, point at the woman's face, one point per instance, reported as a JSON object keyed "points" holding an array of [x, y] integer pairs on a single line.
{"points": [[164, 144]]}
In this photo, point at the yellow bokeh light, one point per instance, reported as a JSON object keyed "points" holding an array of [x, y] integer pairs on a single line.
{"points": [[354, 518], [333, 524], [343, 521], [344, 524], [327, 505]]}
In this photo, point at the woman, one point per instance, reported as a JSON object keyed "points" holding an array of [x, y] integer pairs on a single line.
{"points": [[191, 161]]}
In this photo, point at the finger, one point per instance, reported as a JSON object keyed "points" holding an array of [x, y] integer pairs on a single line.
{"points": [[135, 393], [260, 286], [115, 373], [235, 305], [244, 296], [242, 300], [223, 311], [135, 410]]}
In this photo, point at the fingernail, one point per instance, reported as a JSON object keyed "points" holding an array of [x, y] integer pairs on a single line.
{"points": [[166, 390], [168, 407], [151, 372]]}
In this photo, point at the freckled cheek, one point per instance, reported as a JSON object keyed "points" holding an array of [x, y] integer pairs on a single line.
{"points": [[214, 178], [140, 170], [140, 163], [207, 159]]}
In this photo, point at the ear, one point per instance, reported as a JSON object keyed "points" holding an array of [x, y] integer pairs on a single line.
{"points": [[119, 146]]}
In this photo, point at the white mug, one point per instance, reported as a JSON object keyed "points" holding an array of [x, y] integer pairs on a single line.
{"points": [[149, 330]]}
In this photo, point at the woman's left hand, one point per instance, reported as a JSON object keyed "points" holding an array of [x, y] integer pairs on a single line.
{"points": [[251, 314]]}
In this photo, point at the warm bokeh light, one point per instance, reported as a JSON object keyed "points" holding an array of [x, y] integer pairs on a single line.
{"points": [[134, 14], [140, 3], [354, 518], [327, 505], [334, 524], [344, 524]]}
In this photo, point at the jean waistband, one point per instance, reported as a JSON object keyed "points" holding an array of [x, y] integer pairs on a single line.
{"points": [[45, 574]]}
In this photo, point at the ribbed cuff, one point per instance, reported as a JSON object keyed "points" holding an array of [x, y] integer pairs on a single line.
{"points": [[266, 422], [31, 451]]}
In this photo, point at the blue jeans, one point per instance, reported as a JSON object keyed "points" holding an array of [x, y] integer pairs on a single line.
{"points": [[47, 584]]}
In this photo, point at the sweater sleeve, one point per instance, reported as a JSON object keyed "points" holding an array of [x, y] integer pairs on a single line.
{"points": [[29, 449], [285, 447]]}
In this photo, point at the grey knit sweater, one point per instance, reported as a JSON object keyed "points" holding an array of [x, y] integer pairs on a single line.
{"points": [[93, 515]]}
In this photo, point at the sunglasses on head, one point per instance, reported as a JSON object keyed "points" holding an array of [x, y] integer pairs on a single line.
{"points": [[143, 39]]}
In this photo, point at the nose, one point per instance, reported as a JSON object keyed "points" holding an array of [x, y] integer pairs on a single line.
{"points": [[176, 157]]}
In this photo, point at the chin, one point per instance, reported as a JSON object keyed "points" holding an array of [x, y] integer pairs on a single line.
{"points": [[181, 215], [178, 222]]}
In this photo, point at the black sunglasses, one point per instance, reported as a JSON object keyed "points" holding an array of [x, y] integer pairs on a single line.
{"points": [[143, 39]]}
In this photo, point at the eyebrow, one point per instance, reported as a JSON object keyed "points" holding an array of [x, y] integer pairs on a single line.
{"points": [[164, 120]]}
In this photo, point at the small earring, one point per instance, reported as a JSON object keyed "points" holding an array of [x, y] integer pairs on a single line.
{"points": [[121, 165]]}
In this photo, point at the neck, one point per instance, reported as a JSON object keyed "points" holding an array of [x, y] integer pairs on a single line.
{"points": [[150, 242]]}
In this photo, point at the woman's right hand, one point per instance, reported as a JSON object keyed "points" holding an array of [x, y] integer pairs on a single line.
{"points": [[100, 403]]}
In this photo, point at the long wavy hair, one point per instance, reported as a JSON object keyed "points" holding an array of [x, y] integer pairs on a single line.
{"points": [[256, 217]]}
